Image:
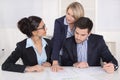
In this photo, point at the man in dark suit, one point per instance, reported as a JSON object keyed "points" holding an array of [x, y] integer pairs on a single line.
{"points": [[86, 49]]}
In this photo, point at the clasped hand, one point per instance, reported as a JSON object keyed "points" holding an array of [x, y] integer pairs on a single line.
{"points": [[81, 65], [37, 68]]}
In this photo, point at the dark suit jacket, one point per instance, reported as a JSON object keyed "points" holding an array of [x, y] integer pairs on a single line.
{"points": [[97, 50], [59, 37], [27, 55]]}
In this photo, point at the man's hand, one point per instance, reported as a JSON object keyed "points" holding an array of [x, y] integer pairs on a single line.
{"points": [[46, 64], [55, 66], [108, 67], [81, 65]]}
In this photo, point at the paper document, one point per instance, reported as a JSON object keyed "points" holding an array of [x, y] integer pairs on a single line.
{"points": [[70, 74]]}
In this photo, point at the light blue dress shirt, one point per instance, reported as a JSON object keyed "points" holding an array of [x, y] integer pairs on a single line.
{"points": [[41, 57], [82, 51], [69, 31]]}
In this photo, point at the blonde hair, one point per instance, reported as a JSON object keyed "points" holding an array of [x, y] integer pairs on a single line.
{"points": [[77, 8]]}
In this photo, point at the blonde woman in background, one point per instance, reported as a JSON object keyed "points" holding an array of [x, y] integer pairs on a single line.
{"points": [[64, 28]]}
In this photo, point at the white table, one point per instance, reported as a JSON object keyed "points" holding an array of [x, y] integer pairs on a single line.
{"points": [[69, 73]]}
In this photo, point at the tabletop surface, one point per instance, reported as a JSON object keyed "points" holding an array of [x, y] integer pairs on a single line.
{"points": [[68, 73]]}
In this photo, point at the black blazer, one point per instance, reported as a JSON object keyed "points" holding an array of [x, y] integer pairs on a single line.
{"points": [[97, 50], [59, 37], [27, 55]]}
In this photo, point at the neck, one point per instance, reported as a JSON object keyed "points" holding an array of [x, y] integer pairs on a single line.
{"points": [[37, 43], [36, 40], [71, 26]]}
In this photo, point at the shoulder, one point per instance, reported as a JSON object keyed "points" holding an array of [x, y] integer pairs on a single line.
{"points": [[69, 43], [61, 19], [48, 41], [22, 43], [96, 40], [95, 36], [70, 40]]}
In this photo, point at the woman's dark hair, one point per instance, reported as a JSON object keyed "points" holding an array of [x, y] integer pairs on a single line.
{"points": [[84, 23], [27, 25]]}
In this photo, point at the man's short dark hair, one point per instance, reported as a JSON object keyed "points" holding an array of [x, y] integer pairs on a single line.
{"points": [[84, 23]]}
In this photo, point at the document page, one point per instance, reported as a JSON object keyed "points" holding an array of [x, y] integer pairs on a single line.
{"points": [[70, 74], [90, 70]]}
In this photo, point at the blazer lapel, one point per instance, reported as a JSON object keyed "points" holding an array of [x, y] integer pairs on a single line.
{"points": [[48, 53], [32, 55], [66, 27], [89, 51], [74, 51]]}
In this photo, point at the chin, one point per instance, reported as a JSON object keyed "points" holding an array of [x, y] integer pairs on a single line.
{"points": [[78, 42], [44, 34], [68, 22]]}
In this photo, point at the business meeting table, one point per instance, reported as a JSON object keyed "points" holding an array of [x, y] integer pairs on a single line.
{"points": [[68, 73]]}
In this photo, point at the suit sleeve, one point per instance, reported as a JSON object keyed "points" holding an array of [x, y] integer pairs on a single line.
{"points": [[105, 53], [9, 64], [65, 58], [56, 41], [69, 56]]}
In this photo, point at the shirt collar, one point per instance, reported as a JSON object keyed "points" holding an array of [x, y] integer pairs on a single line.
{"points": [[83, 42], [44, 43], [30, 43]]}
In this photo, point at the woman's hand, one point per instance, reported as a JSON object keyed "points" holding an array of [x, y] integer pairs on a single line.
{"points": [[36, 68], [55, 66]]}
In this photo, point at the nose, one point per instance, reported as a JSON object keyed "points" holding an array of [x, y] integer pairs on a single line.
{"points": [[78, 36]]}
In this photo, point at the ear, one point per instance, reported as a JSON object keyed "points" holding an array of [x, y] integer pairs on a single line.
{"points": [[34, 33], [89, 33]]}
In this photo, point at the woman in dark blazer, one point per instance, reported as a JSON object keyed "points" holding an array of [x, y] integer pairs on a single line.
{"points": [[35, 51], [64, 28]]}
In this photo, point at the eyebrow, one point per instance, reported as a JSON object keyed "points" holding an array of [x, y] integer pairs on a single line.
{"points": [[43, 27], [83, 34]]}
